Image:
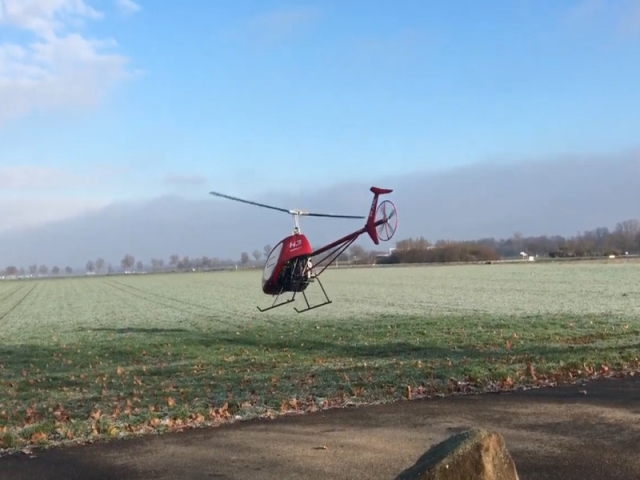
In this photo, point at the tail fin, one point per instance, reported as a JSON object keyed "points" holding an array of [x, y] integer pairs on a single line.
{"points": [[371, 220]]}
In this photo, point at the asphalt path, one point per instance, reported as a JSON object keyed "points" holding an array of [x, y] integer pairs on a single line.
{"points": [[571, 433]]}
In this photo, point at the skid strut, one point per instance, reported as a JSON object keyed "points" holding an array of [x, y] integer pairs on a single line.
{"points": [[304, 295], [309, 307]]}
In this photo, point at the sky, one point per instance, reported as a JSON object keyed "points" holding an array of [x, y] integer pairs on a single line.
{"points": [[110, 100]]}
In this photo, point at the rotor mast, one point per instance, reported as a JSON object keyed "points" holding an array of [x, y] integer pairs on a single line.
{"points": [[296, 220]]}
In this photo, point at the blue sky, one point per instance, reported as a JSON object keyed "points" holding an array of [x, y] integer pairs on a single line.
{"points": [[111, 99]]}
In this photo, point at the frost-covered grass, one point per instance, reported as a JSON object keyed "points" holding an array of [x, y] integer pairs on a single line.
{"points": [[154, 351]]}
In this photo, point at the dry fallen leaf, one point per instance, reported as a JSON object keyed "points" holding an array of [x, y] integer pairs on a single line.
{"points": [[530, 371], [38, 437], [60, 414]]}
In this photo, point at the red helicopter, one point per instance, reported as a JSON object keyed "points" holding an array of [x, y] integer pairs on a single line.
{"points": [[289, 266]]}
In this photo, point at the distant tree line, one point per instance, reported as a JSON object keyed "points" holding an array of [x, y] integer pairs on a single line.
{"points": [[35, 269], [623, 239]]}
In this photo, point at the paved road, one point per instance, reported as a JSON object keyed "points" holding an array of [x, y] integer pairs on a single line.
{"points": [[556, 433]]}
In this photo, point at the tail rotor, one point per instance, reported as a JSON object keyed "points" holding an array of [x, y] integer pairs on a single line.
{"points": [[373, 224]]}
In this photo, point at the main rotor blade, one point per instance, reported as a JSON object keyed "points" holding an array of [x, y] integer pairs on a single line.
{"points": [[299, 212], [216, 194], [330, 215]]}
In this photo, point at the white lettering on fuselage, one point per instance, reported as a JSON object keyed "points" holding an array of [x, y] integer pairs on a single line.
{"points": [[295, 244]]}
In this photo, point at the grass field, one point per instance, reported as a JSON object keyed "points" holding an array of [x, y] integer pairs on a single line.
{"points": [[84, 358]]}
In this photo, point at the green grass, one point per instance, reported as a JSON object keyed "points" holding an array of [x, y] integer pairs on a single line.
{"points": [[152, 353]]}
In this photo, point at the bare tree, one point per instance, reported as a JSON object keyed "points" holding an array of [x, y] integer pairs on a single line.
{"points": [[625, 234], [184, 264], [421, 243], [127, 261], [90, 266], [68, 270], [244, 258], [43, 269], [11, 270], [266, 250], [157, 263], [33, 269], [173, 260], [55, 270], [139, 265], [356, 252], [99, 265], [517, 241], [601, 234], [257, 254]]}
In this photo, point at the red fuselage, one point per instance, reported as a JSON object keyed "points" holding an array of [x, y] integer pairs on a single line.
{"points": [[285, 265]]}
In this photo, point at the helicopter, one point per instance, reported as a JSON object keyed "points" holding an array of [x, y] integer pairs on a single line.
{"points": [[289, 267]]}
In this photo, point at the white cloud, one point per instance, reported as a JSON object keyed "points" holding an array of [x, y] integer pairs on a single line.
{"points": [[32, 195], [127, 6], [630, 22], [621, 18], [184, 180], [274, 26], [30, 177], [285, 19], [23, 212], [585, 10], [37, 177], [59, 67]]}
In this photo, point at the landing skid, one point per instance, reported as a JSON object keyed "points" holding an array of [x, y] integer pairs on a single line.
{"points": [[274, 305], [304, 295]]}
